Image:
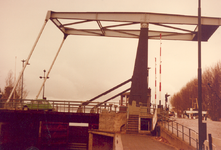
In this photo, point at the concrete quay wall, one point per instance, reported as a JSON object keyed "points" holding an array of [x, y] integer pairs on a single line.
{"points": [[111, 121]]}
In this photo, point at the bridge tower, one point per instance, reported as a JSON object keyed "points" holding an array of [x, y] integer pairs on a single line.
{"points": [[139, 85]]}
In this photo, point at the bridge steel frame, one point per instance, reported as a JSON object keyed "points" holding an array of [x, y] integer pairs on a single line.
{"points": [[125, 19], [122, 19], [205, 27]]}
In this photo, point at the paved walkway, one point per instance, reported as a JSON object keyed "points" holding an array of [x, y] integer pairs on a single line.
{"points": [[142, 142]]}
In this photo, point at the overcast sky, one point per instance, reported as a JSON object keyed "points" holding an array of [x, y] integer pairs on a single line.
{"points": [[88, 66]]}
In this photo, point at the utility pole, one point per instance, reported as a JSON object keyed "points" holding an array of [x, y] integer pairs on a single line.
{"points": [[14, 94], [22, 78], [44, 84], [201, 127]]}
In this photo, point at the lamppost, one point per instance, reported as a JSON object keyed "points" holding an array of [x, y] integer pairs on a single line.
{"points": [[0, 93], [22, 78], [44, 84], [166, 100], [201, 126]]}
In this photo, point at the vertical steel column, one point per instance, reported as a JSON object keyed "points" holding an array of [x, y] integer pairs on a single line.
{"points": [[199, 80], [65, 36], [139, 84]]}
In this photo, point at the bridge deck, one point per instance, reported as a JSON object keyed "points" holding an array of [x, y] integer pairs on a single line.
{"points": [[52, 116]]}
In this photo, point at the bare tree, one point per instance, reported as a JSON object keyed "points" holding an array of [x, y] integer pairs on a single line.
{"points": [[9, 83], [211, 93], [214, 95]]}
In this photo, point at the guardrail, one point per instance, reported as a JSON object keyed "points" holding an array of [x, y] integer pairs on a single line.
{"points": [[146, 111], [188, 135], [56, 105], [184, 133]]}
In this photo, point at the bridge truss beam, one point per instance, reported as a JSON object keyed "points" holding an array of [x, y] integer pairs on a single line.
{"points": [[120, 20]]}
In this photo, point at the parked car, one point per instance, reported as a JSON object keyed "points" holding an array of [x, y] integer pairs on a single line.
{"points": [[40, 104]]}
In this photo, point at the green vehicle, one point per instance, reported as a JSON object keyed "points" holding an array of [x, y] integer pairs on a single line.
{"points": [[40, 104]]}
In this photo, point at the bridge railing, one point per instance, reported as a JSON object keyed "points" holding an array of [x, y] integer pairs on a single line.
{"points": [[57, 105], [184, 133], [146, 110]]}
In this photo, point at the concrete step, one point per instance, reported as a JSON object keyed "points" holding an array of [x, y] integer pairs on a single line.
{"points": [[134, 118], [77, 146], [134, 115], [133, 129], [132, 121], [131, 132], [132, 124]]}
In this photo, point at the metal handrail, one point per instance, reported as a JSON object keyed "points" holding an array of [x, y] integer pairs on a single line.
{"points": [[182, 132], [55, 105], [146, 110]]}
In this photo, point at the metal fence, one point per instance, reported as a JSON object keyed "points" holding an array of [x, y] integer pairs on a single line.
{"points": [[184, 133], [57, 105]]}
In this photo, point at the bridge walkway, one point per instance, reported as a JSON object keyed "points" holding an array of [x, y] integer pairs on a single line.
{"points": [[143, 142]]}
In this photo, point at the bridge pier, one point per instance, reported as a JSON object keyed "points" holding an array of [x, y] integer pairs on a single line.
{"points": [[22, 129], [19, 134]]}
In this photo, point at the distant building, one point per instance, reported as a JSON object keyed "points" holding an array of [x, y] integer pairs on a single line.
{"points": [[193, 114]]}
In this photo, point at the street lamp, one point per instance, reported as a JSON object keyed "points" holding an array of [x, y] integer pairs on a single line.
{"points": [[201, 126], [166, 100], [44, 84], [22, 78], [0, 93]]}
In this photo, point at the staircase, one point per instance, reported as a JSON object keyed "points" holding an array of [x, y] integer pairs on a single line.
{"points": [[132, 124], [77, 146]]}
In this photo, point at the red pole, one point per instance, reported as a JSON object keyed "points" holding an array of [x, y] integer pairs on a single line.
{"points": [[160, 72], [155, 81]]}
